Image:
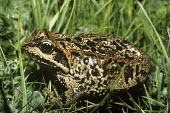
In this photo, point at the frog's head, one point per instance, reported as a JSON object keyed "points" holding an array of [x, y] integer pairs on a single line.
{"points": [[44, 49]]}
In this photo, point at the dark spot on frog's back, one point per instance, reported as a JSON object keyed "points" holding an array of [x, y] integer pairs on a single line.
{"points": [[109, 60], [93, 66], [102, 51], [85, 47], [119, 47], [90, 43], [92, 82], [111, 53], [127, 56], [86, 61], [78, 44], [95, 72], [76, 53], [128, 73], [78, 39], [88, 75], [106, 72], [68, 39], [99, 39], [93, 49]]}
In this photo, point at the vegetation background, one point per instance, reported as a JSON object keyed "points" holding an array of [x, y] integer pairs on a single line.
{"points": [[145, 23]]}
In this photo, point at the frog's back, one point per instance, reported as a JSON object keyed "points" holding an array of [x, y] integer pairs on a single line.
{"points": [[97, 59]]}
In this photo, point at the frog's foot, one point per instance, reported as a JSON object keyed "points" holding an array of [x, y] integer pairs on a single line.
{"points": [[68, 97]]}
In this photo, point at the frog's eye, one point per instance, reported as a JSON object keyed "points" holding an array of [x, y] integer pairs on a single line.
{"points": [[47, 46]]}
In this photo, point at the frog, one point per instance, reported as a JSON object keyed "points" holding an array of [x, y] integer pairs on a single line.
{"points": [[88, 64]]}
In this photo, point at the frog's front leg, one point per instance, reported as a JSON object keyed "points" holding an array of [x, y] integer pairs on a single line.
{"points": [[73, 92]]}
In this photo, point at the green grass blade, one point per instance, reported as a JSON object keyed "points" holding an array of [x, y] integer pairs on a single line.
{"points": [[45, 14], [159, 38], [59, 16], [73, 8], [98, 12], [23, 86]]}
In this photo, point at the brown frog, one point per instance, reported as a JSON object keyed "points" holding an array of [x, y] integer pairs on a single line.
{"points": [[88, 64]]}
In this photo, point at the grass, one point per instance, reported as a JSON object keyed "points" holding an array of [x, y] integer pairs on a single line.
{"points": [[145, 24]]}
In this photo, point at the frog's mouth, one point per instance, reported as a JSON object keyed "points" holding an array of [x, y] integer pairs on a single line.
{"points": [[46, 59]]}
